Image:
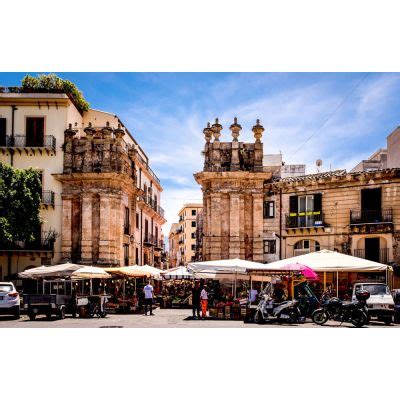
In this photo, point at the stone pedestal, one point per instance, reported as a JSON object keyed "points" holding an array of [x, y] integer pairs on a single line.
{"points": [[66, 232], [87, 231]]}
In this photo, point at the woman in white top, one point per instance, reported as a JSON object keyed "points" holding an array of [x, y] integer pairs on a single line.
{"points": [[204, 301]]}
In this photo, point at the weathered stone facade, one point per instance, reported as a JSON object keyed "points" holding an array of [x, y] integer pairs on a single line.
{"points": [[99, 197], [251, 214], [232, 182]]}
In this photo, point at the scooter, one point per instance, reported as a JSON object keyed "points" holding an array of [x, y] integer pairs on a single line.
{"points": [[268, 310]]}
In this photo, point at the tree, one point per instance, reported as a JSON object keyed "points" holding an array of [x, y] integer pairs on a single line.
{"points": [[20, 196]]}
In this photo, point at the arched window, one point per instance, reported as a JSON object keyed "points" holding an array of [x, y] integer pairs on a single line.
{"points": [[306, 246]]}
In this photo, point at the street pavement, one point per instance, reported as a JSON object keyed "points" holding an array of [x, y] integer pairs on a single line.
{"points": [[163, 318]]}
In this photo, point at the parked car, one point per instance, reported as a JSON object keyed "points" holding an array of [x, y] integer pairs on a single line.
{"points": [[9, 300], [380, 304], [396, 298]]}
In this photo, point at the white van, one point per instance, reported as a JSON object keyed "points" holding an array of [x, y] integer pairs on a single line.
{"points": [[380, 304]]}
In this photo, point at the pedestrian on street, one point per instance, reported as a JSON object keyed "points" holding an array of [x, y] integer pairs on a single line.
{"points": [[148, 297], [196, 300], [204, 301]]}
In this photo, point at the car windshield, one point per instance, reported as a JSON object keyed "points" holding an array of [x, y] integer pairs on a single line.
{"points": [[5, 288], [376, 289]]}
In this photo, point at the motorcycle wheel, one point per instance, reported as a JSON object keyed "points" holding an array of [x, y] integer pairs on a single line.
{"points": [[319, 317], [258, 318], [358, 319], [293, 317]]}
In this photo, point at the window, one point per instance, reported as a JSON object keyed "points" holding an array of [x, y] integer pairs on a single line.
{"points": [[306, 246], [137, 220], [137, 256], [193, 212], [126, 254], [193, 247], [34, 132], [3, 141], [269, 209], [126, 221], [305, 211], [269, 246], [193, 224], [193, 235]]}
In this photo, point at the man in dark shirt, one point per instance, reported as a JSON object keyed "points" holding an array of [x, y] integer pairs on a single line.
{"points": [[196, 300]]}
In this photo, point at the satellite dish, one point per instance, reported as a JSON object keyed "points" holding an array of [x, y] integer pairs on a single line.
{"points": [[318, 163]]}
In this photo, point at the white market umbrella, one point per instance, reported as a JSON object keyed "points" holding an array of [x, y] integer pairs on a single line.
{"points": [[56, 271], [328, 261], [178, 273], [153, 272]]}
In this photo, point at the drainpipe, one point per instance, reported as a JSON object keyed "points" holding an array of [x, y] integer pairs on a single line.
{"points": [[13, 109]]}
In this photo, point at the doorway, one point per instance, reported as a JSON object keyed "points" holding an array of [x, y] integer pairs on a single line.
{"points": [[372, 249]]}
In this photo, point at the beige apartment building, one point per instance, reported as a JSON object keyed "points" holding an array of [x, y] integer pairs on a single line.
{"points": [[101, 200], [186, 233], [269, 212], [173, 245]]}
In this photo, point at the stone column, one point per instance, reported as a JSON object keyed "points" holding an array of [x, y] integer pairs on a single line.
{"points": [[234, 226], [242, 254], [104, 237], [87, 231], [118, 232], [66, 229], [258, 227], [215, 227]]}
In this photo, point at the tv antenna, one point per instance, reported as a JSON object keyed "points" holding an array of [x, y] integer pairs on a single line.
{"points": [[318, 163]]}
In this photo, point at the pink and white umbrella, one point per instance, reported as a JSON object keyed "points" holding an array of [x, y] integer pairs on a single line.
{"points": [[306, 271]]}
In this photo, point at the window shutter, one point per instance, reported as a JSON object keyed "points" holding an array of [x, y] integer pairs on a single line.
{"points": [[318, 202], [293, 204]]}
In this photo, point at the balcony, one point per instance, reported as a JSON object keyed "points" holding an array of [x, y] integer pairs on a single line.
{"points": [[305, 220], [48, 198], [382, 257], [149, 240], [371, 221], [159, 245], [22, 142], [41, 247], [152, 204]]}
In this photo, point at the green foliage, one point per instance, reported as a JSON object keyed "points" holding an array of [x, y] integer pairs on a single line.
{"points": [[52, 82], [20, 196]]}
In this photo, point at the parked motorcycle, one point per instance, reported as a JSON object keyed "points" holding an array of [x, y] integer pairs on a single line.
{"points": [[335, 309], [269, 310]]}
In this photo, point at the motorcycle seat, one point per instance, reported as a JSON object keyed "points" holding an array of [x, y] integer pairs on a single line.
{"points": [[347, 304]]}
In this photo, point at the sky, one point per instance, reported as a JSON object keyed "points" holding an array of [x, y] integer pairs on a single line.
{"points": [[340, 118]]}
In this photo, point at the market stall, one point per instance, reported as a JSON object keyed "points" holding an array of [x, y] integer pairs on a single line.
{"points": [[125, 288], [336, 270], [228, 283]]}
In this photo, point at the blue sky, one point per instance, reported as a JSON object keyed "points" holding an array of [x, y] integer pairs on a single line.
{"points": [[340, 118]]}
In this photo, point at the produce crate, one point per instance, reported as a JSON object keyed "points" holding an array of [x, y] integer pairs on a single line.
{"points": [[213, 312], [220, 314], [227, 312]]}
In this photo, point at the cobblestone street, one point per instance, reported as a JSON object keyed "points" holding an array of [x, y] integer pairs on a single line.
{"points": [[163, 318]]}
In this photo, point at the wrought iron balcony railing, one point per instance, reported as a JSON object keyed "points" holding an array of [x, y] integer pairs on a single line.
{"points": [[48, 198], [359, 217], [153, 204], [382, 256], [311, 219], [23, 141]]}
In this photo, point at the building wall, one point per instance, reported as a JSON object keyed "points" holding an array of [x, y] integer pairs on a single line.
{"points": [[393, 149], [187, 237], [339, 197], [57, 117]]}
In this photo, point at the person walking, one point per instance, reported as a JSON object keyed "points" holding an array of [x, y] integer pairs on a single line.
{"points": [[196, 300], [148, 297], [204, 301]]}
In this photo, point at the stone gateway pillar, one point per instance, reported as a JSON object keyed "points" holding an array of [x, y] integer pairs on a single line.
{"points": [[232, 182]]}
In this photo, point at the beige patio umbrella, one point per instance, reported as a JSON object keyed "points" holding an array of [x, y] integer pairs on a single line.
{"points": [[91, 273]]}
